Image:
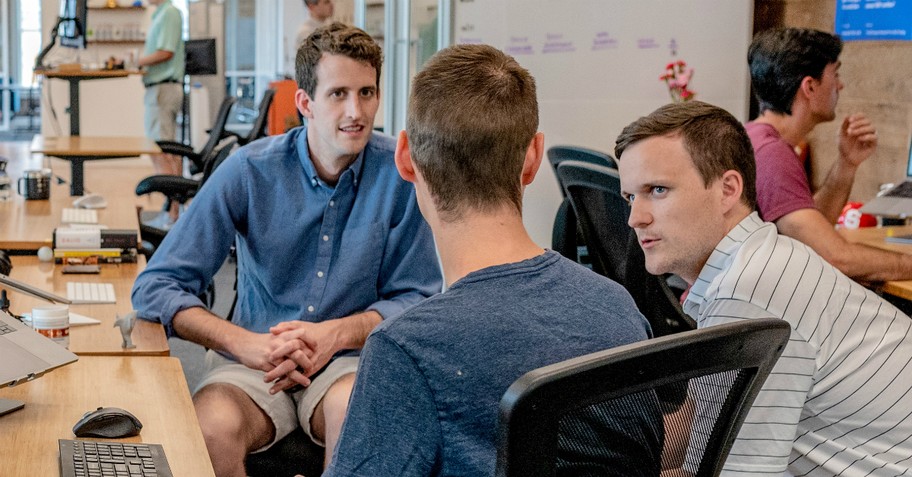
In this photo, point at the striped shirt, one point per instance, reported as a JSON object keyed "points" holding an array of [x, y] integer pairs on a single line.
{"points": [[838, 401]]}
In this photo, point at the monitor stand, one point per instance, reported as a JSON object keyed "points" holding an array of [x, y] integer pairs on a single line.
{"points": [[10, 405]]}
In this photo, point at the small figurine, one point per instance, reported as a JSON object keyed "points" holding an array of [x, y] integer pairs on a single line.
{"points": [[126, 328]]}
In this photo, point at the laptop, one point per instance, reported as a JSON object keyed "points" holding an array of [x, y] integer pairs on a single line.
{"points": [[52, 297], [26, 354], [897, 201]]}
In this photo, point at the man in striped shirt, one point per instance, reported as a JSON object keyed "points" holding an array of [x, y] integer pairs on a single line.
{"points": [[837, 402]]}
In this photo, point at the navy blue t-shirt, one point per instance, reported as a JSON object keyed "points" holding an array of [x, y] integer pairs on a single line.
{"points": [[430, 381]]}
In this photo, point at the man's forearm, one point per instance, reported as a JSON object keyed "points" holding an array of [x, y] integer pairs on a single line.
{"points": [[866, 263], [833, 194], [202, 327], [154, 58], [353, 329]]}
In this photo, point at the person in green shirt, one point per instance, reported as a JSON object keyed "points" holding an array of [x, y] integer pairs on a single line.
{"points": [[163, 60]]}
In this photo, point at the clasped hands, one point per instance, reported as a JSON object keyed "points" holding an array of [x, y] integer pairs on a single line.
{"points": [[292, 352]]}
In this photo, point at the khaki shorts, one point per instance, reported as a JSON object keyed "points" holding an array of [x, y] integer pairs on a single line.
{"points": [[163, 103], [287, 411]]}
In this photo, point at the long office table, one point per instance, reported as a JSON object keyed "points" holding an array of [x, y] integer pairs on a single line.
{"points": [[152, 389], [875, 237], [79, 149], [28, 224], [97, 339]]}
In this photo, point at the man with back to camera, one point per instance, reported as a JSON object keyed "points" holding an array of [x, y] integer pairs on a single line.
{"points": [[795, 75], [163, 59], [329, 241], [430, 380], [836, 403]]}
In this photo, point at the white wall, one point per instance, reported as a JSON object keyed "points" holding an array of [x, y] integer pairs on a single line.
{"points": [[597, 65]]}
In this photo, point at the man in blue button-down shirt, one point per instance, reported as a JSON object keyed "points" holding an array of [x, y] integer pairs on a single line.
{"points": [[330, 242]]}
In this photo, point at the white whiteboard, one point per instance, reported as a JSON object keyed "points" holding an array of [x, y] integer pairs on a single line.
{"points": [[597, 65]]}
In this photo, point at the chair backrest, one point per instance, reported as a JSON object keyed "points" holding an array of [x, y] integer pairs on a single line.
{"points": [[215, 159], [614, 251], [259, 124], [217, 131], [564, 233], [558, 154], [575, 417]]}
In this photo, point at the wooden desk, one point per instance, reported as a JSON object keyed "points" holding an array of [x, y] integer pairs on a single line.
{"points": [[153, 389], [78, 150], [87, 340], [74, 77], [874, 237]]}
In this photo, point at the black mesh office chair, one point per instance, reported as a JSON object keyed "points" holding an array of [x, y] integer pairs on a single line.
{"points": [[564, 419], [175, 188], [216, 134], [601, 211], [258, 129], [565, 235]]}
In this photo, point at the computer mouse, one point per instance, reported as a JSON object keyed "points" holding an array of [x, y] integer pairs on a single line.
{"points": [[107, 422], [90, 201]]}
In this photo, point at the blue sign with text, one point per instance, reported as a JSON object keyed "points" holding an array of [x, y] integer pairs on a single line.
{"points": [[874, 19]]}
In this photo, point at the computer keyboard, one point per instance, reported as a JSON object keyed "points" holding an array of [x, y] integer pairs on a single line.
{"points": [[87, 292], [80, 458], [79, 216], [902, 190]]}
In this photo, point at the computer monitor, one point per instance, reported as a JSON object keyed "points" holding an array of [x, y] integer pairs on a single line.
{"points": [[200, 57], [72, 29]]}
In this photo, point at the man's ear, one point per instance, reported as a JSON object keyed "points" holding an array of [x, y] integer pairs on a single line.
{"points": [[808, 86], [534, 154], [732, 188], [302, 102], [403, 157]]}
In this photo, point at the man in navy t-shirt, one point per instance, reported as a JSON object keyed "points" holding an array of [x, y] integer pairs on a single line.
{"points": [[428, 386]]}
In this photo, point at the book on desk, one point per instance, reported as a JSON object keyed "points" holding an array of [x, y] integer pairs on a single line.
{"points": [[81, 246]]}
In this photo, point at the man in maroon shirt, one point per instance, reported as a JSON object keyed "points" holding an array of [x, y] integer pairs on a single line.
{"points": [[795, 75]]}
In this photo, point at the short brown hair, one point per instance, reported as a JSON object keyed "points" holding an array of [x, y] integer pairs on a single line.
{"points": [[334, 39], [471, 116], [715, 140]]}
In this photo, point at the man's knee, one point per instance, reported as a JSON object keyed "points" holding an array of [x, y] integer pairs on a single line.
{"points": [[227, 414], [335, 403]]}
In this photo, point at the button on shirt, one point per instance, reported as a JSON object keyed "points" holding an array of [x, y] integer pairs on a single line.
{"points": [[306, 250]]}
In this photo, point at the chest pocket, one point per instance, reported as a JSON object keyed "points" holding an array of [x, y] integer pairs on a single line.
{"points": [[359, 257]]}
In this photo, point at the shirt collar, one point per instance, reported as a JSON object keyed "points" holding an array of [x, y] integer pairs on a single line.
{"points": [[720, 258], [160, 8], [311, 171]]}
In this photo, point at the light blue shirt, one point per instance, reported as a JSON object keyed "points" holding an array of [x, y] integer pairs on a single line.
{"points": [[165, 34], [306, 250]]}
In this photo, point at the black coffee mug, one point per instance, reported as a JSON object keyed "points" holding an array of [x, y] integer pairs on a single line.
{"points": [[35, 185]]}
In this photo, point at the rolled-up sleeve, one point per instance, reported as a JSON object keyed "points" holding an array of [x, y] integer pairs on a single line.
{"points": [[193, 250]]}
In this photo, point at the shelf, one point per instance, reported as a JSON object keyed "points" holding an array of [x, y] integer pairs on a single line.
{"points": [[116, 9], [116, 42]]}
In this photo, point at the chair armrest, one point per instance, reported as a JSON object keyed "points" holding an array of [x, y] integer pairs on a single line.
{"points": [[174, 187], [176, 148]]}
